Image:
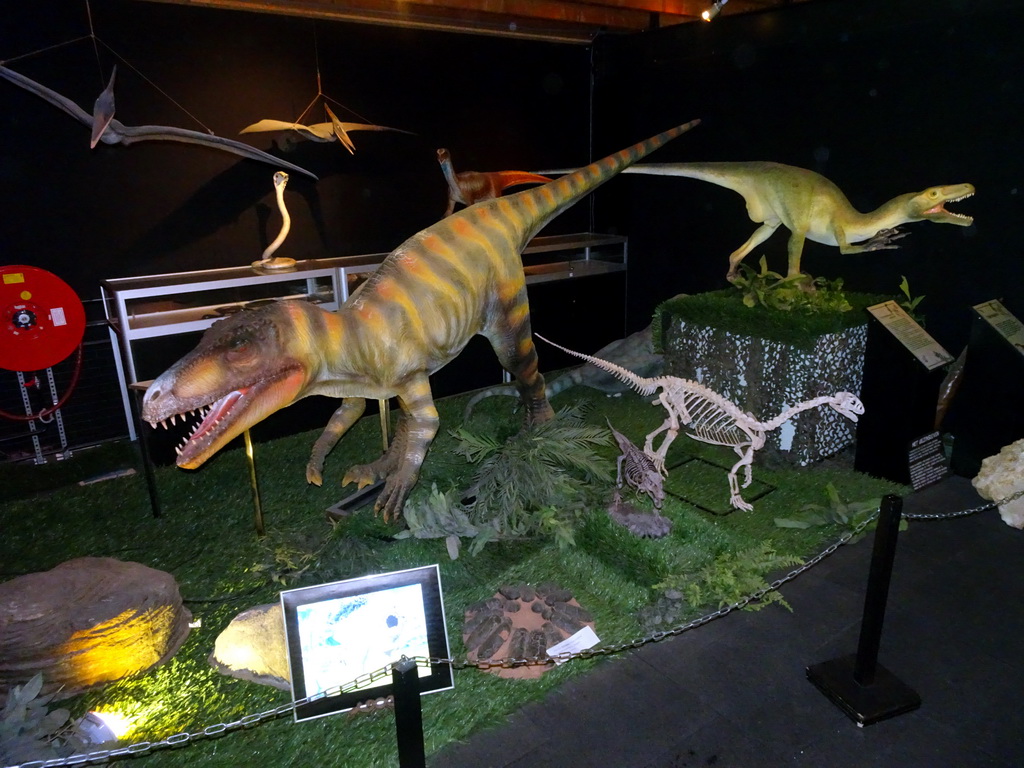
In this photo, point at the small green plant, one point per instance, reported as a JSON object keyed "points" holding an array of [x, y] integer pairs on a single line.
{"points": [[909, 303], [731, 577], [538, 481], [438, 516], [800, 293], [847, 514], [30, 731]]}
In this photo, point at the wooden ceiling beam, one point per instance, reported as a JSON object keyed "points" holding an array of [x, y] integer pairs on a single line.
{"points": [[575, 21]]}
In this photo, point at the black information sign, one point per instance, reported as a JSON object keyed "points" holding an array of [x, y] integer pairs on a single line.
{"points": [[926, 460]]}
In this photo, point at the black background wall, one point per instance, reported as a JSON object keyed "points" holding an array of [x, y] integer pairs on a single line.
{"points": [[159, 207], [881, 97]]}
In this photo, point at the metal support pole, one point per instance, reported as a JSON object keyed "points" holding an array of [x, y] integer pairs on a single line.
{"points": [[385, 418], [858, 684], [408, 715], [137, 390], [257, 506]]}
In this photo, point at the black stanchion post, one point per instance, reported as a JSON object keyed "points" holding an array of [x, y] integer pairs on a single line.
{"points": [[877, 596], [858, 684], [408, 715]]}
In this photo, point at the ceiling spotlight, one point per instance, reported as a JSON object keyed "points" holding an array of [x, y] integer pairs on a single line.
{"points": [[714, 10]]}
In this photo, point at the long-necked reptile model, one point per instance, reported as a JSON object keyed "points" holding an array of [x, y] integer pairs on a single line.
{"points": [[710, 418], [814, 208], [110, 131], [471, 187], [460, 277]]}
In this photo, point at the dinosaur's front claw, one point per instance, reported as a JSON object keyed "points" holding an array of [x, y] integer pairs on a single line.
{"points": [[884, 240]]}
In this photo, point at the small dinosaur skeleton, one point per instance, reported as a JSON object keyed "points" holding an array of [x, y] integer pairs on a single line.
{"points": [[642, 473], [471, 187], [707, 416]]}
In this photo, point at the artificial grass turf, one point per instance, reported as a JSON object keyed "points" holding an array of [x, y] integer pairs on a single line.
{"points": [[206, 539], [725, 309]]}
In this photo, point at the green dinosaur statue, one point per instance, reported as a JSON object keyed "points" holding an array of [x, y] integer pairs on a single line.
{"points": [[814, 208], [460, 277]]}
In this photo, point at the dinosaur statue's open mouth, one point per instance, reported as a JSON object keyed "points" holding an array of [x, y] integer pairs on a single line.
{"points": [[228, 416], [939, 212]]}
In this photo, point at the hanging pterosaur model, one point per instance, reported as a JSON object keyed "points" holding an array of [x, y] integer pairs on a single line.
{"points": [[335, 130], [110, 131]]}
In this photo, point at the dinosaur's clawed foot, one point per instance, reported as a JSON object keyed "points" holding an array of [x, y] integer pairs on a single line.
{"points": [[883, 240], [737, 501], [362, 475], [392, 498]]}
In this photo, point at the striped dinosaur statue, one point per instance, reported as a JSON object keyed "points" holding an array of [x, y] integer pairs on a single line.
{"points": [[459, 277], [470, 187]]}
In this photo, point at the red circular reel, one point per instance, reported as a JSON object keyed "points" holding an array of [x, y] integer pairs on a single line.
{"points": [[42, 320]]}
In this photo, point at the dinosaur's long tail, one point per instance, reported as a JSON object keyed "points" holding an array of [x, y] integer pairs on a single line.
{"points": [[642, 385], [553, 198]]}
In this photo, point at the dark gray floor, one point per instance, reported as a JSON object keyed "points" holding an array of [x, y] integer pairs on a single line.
{"points": [[734, 693]]}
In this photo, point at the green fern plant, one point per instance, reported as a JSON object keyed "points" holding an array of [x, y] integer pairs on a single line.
{"points": [[538, 481], [731, 577], [790, 294]]}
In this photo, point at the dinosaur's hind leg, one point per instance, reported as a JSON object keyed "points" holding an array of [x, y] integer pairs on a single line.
{"points": [[746, 453], [761, 234], [513, 344], [400, 465]]}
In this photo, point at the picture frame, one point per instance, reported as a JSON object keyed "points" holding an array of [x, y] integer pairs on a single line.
{"points": [[340, 631]]}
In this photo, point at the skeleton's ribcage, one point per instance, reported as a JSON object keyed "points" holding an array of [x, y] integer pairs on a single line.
{"points": [[710, 422], [639, 469]]}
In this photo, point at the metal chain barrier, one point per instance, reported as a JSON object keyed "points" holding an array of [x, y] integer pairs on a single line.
{"points": [[965, 512], [249, 721]]}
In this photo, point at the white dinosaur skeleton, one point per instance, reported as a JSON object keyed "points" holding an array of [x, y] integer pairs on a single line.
{"points": [[707, 416]]}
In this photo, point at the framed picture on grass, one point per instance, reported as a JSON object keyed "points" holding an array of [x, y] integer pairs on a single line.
{"points": [[341, 631]]}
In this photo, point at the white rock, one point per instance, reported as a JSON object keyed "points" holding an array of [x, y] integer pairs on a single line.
{"points": [[1000, 477], [253, 647]]}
